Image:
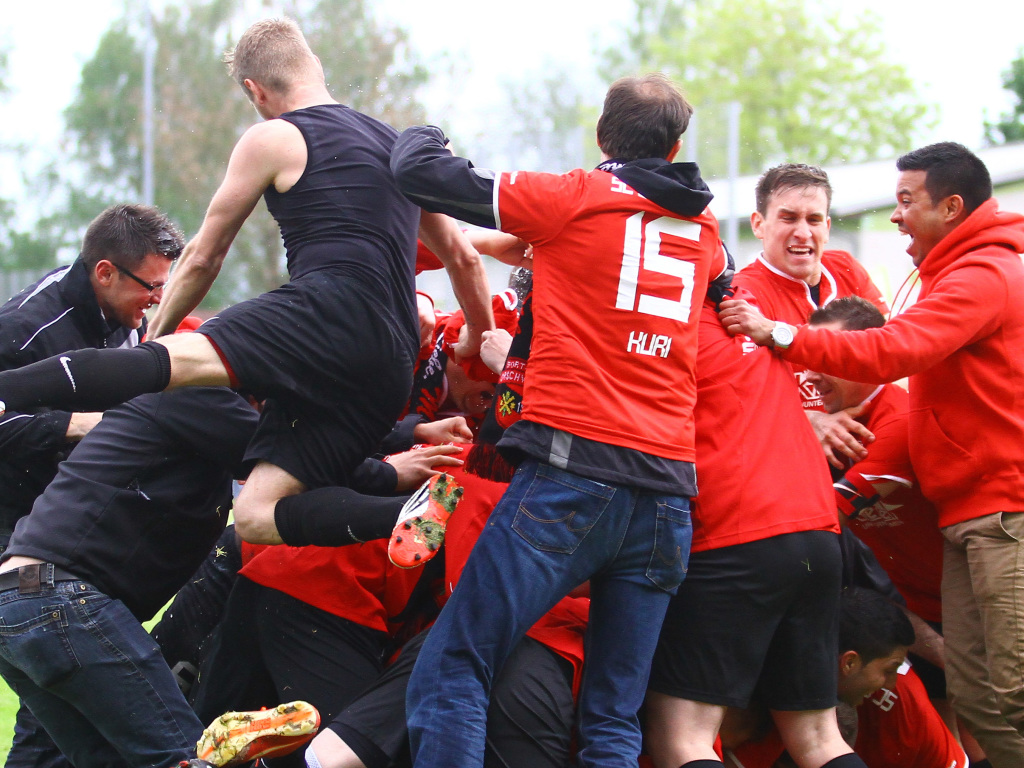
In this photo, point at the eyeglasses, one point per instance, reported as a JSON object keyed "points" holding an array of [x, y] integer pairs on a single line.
{"points": [[148, 286]]}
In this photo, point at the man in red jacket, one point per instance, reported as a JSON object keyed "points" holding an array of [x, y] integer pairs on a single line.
{"points": [[960, 344]]}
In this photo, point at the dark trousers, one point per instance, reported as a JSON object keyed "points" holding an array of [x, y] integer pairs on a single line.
{"points": [[272, 648]]}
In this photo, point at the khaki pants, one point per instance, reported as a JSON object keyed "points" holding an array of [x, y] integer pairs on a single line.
{"points": [[983, 626]]}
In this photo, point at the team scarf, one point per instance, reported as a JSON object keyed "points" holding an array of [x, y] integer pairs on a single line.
{"points": [[485, 461]]}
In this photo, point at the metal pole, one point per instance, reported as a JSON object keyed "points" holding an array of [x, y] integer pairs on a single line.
{"points": [[732, 228], [148, 65]]}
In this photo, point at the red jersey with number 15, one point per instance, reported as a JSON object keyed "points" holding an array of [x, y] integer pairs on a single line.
{"points": [[618, 286]]}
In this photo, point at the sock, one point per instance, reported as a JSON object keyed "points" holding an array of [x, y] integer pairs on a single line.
{"points": [[311, 759], [333, 517], [87, 379], [852, 760]]}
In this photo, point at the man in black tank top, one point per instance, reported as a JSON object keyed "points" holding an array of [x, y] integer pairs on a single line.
{"points": [[333, 350]]}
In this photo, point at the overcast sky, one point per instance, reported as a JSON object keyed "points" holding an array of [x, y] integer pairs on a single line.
{"points": [[956, 58]]}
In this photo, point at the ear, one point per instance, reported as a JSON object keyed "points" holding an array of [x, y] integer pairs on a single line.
{"points": [[104, 272], [849, 662], [257, 94], [675, 150], [756, 221], [953, 209]]}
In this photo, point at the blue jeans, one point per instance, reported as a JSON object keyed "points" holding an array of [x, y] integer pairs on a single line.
{"points": [[552, 531], [94, 678]]}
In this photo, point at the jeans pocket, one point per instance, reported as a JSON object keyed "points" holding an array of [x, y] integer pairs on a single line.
{"points": [[39, 646], [671, 553], [559, 509]]}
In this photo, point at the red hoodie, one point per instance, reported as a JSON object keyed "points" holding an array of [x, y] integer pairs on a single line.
{"points": [[962, 344]]}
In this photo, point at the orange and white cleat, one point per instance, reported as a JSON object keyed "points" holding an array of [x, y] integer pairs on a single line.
{"points": [[419, 532], [240, 737]]}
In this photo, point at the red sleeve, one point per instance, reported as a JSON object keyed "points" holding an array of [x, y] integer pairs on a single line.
{"points": [[965, 305]]}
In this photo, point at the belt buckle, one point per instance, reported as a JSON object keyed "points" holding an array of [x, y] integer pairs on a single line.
{"points": [[31, 578]]}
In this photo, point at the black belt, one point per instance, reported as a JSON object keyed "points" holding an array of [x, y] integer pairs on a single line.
{"points": [[32, 578]]}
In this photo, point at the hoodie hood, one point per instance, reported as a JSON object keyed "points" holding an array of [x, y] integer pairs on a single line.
{"points": [[987, 226], [676, 187]]}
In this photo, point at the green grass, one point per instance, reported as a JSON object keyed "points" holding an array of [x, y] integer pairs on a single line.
{"points": [[8, 709]]}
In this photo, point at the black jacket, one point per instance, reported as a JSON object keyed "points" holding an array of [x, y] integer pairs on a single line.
{"points": [[141, 500], [57, 314]]}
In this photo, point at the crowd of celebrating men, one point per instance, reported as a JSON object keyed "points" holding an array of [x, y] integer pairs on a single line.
{"points": [[693, 520]]}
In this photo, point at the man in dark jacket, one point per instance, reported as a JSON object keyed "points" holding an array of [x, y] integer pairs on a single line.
{"points": [[98, 301], [128, 519]]}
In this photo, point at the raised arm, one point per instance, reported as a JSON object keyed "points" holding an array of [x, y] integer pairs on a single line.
{"points": [[267, 153], [467, 274]]}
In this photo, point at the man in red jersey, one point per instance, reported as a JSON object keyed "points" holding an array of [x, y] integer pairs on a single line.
{"points": [[896, 725], [622, 260], [960, 344], [759, 608], [794, 275]]}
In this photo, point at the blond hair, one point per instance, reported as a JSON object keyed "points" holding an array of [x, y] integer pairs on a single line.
{"points": [[273, 53]]}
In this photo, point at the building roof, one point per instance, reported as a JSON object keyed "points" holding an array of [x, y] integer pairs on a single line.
{"points": [[862, 187]]}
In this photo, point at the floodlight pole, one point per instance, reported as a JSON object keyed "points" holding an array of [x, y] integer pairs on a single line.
{"points": [[148, 65], [732, 224]]}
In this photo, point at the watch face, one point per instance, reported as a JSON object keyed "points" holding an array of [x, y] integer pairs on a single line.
{"points": [[782, 335]]}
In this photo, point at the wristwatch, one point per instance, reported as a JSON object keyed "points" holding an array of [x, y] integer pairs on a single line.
{"points": [[782, 336]]}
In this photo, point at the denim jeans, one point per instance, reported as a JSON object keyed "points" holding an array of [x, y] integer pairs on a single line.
{"points": [[551, 532], [32, 746], [94, 678]]}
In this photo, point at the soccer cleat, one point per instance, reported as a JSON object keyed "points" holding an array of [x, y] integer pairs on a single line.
{"points": [[239, 737], [419, 532]]}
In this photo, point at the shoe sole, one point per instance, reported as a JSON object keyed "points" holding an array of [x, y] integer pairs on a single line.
{"points": [[417, 539], [239, 737]]}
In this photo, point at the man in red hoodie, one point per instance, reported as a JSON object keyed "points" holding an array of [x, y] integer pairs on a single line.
{"points": [[961, 346]]}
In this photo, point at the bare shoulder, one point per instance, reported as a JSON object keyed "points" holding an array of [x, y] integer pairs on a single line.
{"points": [[270, 137], [277, 148]]}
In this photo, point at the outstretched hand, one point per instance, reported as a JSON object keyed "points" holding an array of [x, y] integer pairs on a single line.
{"points": [[416, 466]]}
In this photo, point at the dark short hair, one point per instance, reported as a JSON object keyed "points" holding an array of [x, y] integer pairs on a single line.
{"points": [[871, 624], [950, 169], [790, 176], [854, 312], [642, 117], [126, 234]]}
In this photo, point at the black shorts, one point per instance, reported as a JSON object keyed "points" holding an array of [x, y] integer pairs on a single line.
{"points": [[756, 620], [529, 720], [334, 364]]}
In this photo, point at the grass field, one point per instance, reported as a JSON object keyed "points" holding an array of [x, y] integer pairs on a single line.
{"points": [[8, 709]]}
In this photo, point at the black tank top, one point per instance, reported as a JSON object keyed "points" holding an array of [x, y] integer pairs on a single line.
{"points": [[345, 210]]}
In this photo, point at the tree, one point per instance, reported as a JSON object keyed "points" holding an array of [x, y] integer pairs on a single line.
{"points": [[1010, 126], [200, 114], [813, 86]]}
